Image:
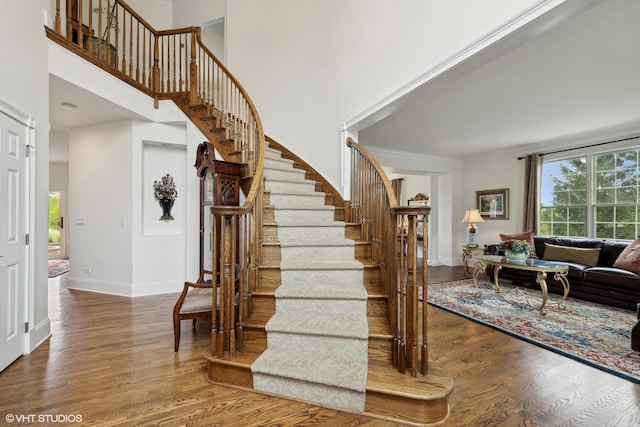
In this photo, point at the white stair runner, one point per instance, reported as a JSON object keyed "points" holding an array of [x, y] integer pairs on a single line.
{"points": [[317, 339]]}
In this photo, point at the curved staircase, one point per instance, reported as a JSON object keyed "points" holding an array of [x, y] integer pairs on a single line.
{"points": [[317, 281]]}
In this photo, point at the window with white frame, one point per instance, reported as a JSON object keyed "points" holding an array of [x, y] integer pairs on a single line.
{"points": [[592, 195]]}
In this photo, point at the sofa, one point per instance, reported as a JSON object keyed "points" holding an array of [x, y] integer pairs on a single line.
{"points": [[592, 274]]}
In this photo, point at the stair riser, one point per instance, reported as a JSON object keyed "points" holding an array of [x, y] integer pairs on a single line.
{"points": [[291, 305], [290, 175], [263, 307], [290, 215], [268, 279], [287, 187], [318, 252], [380, 349], [271, 255], [353, 231], [223, 373], [338, 213], [287, 232], [377, 308], [321, 276], [255, 340], [331, 346], [297, 200], [268, 215], [270, 153], [363, 252], [270, 233], [318, 393], [278, 164]]}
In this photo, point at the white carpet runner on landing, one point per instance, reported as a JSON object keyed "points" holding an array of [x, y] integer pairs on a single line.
{"points": [[317, 340]]}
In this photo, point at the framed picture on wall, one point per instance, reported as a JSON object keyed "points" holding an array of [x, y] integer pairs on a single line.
{"points": [[493, 204]]}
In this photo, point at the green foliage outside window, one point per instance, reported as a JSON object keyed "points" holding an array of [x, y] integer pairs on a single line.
{"points": [[54, 218], [615, 203]]}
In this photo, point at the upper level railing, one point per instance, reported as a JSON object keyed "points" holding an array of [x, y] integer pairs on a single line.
{"points": [[174, 64], [393, 233]]}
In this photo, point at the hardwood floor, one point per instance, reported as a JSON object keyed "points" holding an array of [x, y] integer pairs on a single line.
{"points": [[111, 361]]}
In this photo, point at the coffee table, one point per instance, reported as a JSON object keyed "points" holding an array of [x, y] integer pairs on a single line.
{"points": [[542, 268]]}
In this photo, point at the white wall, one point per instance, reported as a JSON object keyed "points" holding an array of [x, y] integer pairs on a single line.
{"points": [[118, 244], [159, 246], [59, 175], [489, 174], [412, 185], [25, 86], [310, 66], [197, 12], [212, 36], [159, 14], [100, 199]]}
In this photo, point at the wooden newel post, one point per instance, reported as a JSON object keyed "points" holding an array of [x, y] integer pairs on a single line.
{"points": [[193, 71]]}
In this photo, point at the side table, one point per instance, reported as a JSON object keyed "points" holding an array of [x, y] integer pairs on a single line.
{"points": [[467, 254]]}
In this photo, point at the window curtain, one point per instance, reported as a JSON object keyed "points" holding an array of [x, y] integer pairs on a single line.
{"points": [[396, 184], [531, 193]]}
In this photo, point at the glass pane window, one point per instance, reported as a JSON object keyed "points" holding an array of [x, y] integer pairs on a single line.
{"points": [[564, 197], [616, 194], [596, 195]]}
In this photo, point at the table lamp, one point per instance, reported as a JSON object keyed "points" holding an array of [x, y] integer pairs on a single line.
{"points": [[471, 217]]}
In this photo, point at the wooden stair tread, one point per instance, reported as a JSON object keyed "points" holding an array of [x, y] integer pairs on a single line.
{"points": [[385, 379], [241, 360]]}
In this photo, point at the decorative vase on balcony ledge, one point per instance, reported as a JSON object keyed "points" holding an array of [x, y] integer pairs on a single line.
{"points": [[106, 50]]}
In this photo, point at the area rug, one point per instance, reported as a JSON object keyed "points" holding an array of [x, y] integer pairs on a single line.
{"points": [[590, 333], [58, 267]]}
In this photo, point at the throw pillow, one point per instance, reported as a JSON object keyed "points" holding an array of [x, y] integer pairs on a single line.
{"points": [[629, 258], [526, 236], [586, 256]]}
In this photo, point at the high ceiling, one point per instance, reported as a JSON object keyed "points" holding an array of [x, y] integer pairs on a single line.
{"points": [[574, 82], [577, 80]]}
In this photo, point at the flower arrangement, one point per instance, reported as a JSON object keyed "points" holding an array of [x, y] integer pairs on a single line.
{"points": [[516, 246], [165, 189]]}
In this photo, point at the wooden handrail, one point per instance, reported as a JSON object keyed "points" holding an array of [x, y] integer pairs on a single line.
{"points": [[395, 248]]}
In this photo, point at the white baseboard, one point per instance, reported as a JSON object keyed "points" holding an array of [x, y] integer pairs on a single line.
{"points": [[39, 334], [124, 289]]}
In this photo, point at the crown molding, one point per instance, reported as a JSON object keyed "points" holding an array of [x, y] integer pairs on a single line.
{"points": [[417, 162], [569, 142]]}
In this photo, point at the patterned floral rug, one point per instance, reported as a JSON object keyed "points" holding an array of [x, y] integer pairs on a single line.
{"points": [[594, 334], [58, 267]]}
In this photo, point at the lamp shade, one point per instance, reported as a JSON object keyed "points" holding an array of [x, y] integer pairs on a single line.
{"points": [[472, 215]]}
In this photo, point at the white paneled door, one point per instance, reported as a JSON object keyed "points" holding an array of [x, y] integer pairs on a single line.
{"points": [[13, 244]]}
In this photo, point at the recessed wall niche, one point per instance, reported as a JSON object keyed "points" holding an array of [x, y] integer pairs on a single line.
{"points": [[159, 159]]}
